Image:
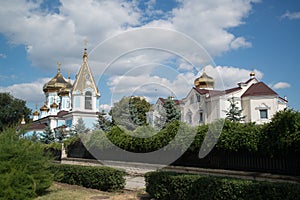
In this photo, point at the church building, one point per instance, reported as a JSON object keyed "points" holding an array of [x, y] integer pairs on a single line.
{"points": [[65, 102], [203, 104]]}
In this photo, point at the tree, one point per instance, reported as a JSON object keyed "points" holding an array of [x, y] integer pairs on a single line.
{"points": [[130, 112], [282, 134], [80, 127], [24, 167], [12, 110], [103, 122], [234, 114], [172, 111], [47, 137], [138, 107]]}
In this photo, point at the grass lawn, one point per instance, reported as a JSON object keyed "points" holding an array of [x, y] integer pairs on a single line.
{"points": [[60, 191]]}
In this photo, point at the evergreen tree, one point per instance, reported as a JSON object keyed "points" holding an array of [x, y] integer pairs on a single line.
{"points": [[138, 107], [60, 135], [103, 122], [47, 136], [24, 167], [80, 127], [234, 114], [172, 111]]}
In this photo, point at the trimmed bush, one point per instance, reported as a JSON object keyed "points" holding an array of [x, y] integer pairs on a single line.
{"points": [[101, 178], [170, 185]]}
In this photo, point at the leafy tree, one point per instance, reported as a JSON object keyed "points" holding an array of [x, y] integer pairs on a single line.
{"points": [[47, 137], [130, 112], [282, 134], [172, 111], [12, 110], [234, 114], [24, 167], [103, 122]]}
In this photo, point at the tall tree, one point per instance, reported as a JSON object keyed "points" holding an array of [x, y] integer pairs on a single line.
{"points": [[47, 137], [80, 127], [138, 107], [172, 111], [12, 110], [234, 114], [103, 122], [130, 112]]}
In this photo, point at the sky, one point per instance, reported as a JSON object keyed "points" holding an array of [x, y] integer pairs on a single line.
{"points": [[153, 48]]}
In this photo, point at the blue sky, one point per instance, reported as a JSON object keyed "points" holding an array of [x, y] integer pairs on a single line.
{"points": [[230, 37]]}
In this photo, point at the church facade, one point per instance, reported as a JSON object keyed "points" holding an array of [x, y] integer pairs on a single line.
{"points": [[65, 103], [203, 104]]}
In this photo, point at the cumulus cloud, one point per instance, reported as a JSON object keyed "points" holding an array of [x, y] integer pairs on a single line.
{"points": [[51, 36], [291, 15], [228, 76], [32, 92], [121, 40], [281, 85]]}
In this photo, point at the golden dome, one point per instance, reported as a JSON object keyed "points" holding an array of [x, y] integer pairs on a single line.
{"points": [[54, 105], [56, 83], [35, 113], [66, 90], [44, 108], [204, 82], [252, 74]]}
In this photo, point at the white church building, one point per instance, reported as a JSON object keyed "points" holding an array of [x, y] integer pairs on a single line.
{"points": [[65, 102], [203, 104]]}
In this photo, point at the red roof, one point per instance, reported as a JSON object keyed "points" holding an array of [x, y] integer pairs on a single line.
{"points": [[37, 126], [62, 113], [259, 89], [177, 102], [210, 92]]}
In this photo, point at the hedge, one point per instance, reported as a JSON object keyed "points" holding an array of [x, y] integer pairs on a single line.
{"points": [[170, 185], [101, 178]]}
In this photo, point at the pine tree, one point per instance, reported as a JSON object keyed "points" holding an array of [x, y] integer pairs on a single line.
{"points": [[103, 122], [47, 136], [234, 114], [172, 111], [80, 127]]}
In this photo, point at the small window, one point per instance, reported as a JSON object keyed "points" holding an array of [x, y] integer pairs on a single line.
{"points": [[201, 117], [88, 100], [263, 114], [198, 98]]}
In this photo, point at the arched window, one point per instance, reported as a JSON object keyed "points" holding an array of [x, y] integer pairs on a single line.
{"points": [[88, 100]]}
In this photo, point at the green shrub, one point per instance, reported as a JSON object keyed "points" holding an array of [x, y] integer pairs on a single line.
{"points": [[101, 178], [24, 167], [170, 185]]}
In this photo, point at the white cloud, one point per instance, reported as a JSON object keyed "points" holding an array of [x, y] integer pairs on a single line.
{"points": [[188, 33], [291, 15], [105, 107], [32, 92], [227, 76], [155, 86], [281, 85], [50, 37]]}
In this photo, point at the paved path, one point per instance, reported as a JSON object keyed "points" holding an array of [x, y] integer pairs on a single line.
{"points": [[135, 182]]}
